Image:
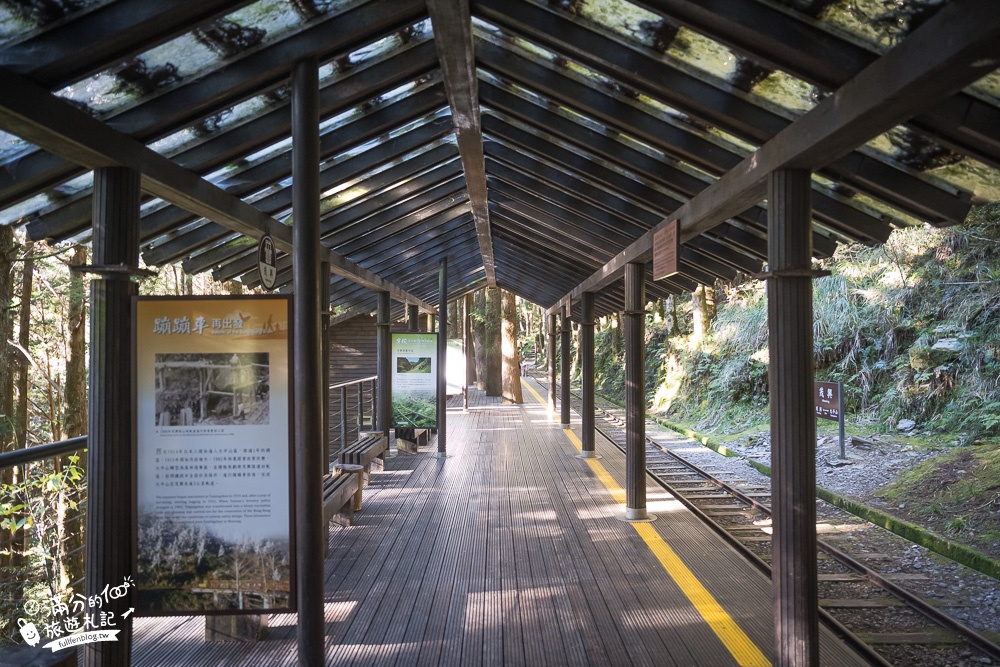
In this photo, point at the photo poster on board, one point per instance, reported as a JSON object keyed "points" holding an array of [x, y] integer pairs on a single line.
{"points": [[455, 367], [414, 380], [213, 454]]}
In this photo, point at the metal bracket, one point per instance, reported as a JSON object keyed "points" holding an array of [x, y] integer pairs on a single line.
{"points": [[112, 270]]}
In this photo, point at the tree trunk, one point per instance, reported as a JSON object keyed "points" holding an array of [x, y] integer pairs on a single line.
{"points": [[574, 346], [479, 336], [511, 357], [494, 353], [702, 311], [75, 416], [673, 326], [470, 353], [24, 339], [617, 336], [8, 362], [8, 353], [454, 320]]}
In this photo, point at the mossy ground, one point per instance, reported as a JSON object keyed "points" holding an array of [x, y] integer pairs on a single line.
{"points": [[956, 494]]}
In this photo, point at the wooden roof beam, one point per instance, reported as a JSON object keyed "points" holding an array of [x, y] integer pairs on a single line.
{"points": [[452, 23], [960, 45], [35, 115]]}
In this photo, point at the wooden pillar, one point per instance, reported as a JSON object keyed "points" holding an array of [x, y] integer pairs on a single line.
{"points": [[467, 347], [551, 356], [564, 362], [383, 363], [324, 300], [110, 517], [587, 376], [635, 393], [793, 421], [442, 360], [412, 317], [310, 533]]}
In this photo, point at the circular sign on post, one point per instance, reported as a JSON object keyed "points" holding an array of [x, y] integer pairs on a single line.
{"points": [[267, 265]]}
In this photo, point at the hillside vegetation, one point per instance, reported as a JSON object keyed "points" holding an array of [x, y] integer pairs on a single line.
{"points": [[912, 328]]}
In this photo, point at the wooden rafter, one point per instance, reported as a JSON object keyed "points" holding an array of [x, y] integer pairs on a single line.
{"points": [[35, 115], [960, 45]]}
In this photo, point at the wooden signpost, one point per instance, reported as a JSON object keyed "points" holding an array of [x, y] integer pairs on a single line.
{"points": [[829, 397]]}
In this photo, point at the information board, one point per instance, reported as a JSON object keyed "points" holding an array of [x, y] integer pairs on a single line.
{"points": [[414, 380], [213, 455]]}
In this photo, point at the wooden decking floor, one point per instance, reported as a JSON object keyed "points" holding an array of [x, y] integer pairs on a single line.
{"points": [[508, 552]]}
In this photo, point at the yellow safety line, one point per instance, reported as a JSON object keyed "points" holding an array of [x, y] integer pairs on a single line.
{"points": [[742, 648]]}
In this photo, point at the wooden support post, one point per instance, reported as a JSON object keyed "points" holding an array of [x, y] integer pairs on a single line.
{"points": [[793, 420], [412, 317], [343, 418], [442, 360], [635, 393], [324, 300], [308, 381], [361, 407], [110, 518], [551, 355], [564, 334], [384, 364], [587, 431], [467, 347]]}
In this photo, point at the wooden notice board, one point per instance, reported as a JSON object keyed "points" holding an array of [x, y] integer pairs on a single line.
{"points": [[665, 251]]}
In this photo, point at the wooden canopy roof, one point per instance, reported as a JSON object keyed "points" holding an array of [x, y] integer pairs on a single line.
{"points": [[534, 144]]}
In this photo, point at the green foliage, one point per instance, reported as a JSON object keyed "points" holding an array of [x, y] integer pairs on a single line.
{"points": [[912, 328], [31, 509]]}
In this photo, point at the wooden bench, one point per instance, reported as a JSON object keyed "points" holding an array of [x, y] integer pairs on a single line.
{"points": [[339, 497], [369, 449], [410, 439]]}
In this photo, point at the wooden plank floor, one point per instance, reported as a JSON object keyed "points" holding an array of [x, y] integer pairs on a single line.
{"points": [[508, 552]]}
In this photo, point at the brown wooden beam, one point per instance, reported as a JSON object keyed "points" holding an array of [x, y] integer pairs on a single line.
{"points": [[960, 45], [44, 120], [452, 24]]}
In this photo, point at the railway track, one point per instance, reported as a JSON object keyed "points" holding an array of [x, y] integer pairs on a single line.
{"points": [[862, 594]]}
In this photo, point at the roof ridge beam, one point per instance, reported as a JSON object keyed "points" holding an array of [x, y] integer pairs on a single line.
{"points": [[452, 22], [37, 116]]}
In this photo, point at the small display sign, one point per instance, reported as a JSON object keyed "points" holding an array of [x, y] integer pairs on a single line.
{"points": [[666, 251], [267, 264], [827, 399]]}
